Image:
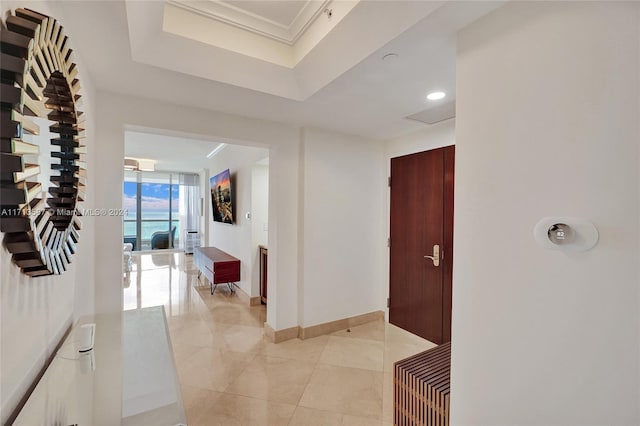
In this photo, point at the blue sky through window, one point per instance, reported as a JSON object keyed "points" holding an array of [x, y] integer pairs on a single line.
{"points": [[155, 198]]}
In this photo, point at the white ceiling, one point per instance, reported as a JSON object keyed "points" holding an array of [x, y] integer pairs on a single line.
{"points": [[282, 12], [162, 148], [342, 85]]}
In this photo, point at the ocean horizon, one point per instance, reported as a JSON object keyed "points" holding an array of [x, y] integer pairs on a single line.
{"points": [[160, 222]]}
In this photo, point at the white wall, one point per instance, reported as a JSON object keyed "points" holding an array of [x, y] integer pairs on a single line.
{"points": [[260, 203], [109, 179], [284, 234], [35, 312], [237, 239], [431, 137], [547, 124], [344, 244], [205, 211], [259, 219]]}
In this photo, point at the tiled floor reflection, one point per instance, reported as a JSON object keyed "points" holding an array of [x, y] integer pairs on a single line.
{"points": [[231, 375]]}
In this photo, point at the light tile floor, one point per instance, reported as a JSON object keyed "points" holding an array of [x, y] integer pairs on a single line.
{"points": [[231, 375]]}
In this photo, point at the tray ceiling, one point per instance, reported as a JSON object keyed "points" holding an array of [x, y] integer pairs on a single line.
{"points": [[162, 34], [342, 84]]}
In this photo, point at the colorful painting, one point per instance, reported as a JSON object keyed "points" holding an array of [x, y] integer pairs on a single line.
{"points": [[221, 201]]}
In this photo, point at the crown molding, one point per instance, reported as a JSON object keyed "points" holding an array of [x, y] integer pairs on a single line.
{"points": [[245, 20]]}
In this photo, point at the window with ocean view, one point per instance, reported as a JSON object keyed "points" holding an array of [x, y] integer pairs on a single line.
{"points": [[152, 201]]}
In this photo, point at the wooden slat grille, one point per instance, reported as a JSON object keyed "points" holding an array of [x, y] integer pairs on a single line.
{"points": [[421, 388]]}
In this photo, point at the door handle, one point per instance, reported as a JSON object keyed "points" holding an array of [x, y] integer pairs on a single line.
{"points": [[436, 255]]}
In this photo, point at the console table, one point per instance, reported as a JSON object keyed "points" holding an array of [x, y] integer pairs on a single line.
{"points": [[219, 267], [128, 379]]}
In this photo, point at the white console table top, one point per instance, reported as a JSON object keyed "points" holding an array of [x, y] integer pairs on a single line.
{"points": [[129, 378]]}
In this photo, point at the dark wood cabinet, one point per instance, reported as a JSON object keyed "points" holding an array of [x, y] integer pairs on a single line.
{"points": [[263, 274], [217, 266]]}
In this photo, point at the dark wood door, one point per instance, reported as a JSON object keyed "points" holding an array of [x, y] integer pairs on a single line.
{"points": [[422, 217]]}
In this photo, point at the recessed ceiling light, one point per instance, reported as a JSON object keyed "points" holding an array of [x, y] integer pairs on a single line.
{"points": [[434, 96], [389, 56]]}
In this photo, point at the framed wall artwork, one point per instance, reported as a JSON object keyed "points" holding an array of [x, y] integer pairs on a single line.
{"points": [[221, 197]]}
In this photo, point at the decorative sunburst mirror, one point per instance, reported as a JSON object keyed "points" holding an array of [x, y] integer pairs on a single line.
{"points": [[39, 80]]}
